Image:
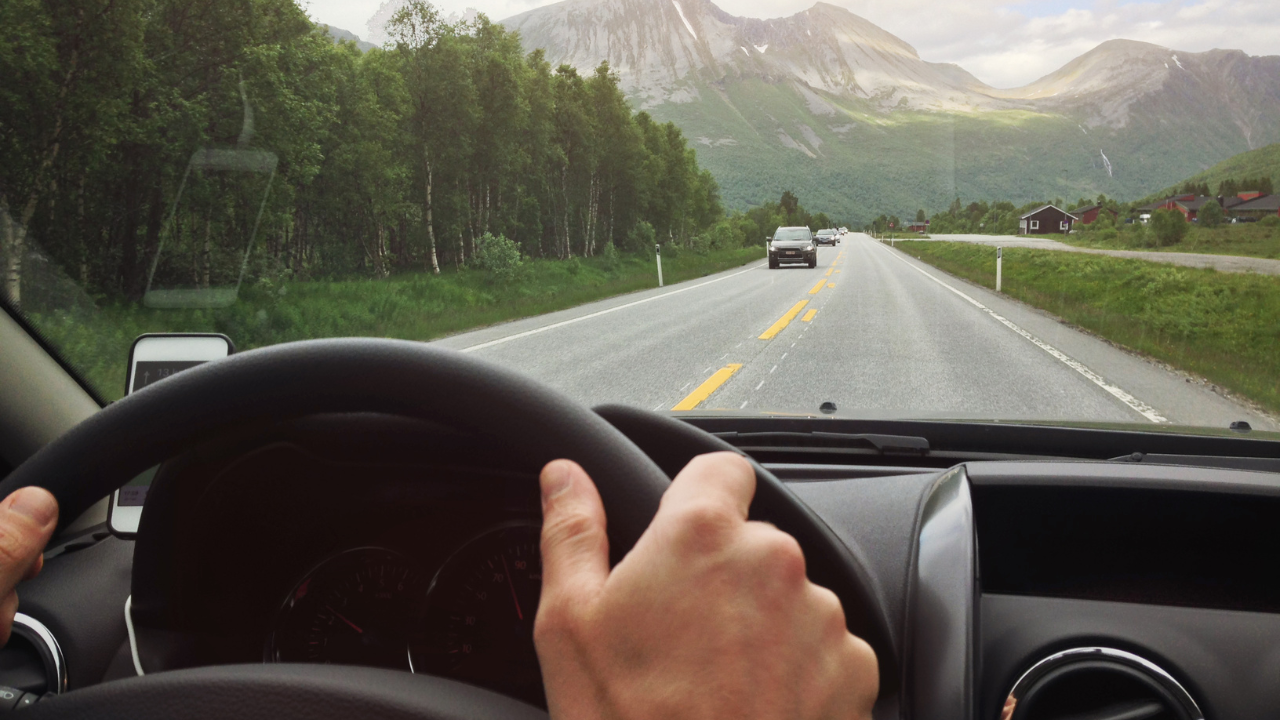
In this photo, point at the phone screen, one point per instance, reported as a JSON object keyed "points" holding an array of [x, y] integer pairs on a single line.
{"points": [[152, 359]]}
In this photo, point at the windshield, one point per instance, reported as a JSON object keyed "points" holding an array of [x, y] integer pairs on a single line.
{"points": [[1060, 212]]}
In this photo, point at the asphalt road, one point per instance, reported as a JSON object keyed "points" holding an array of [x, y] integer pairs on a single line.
{"points": [[873, 331]]}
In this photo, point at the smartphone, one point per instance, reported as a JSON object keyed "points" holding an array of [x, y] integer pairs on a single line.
{"points": [[152, 358]]}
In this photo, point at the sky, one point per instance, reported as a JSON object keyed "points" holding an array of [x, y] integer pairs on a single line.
{"points": [[1005, 43]]}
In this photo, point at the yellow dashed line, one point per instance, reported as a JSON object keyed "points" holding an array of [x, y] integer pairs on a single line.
{"points": [[785, 320], [829, 271], [695, 398], [817, 287], [831, 284], [808, 316], [837, 271]]}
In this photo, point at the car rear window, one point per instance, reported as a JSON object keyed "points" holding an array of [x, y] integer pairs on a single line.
{"points": [[792, 234]]}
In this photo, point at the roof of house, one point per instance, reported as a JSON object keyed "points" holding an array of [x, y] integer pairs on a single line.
{"points": [[1266, 202], [1044, 207], [1197, 202]]}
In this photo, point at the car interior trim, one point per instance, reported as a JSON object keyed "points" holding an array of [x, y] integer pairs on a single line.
{"points": [[942, 602], [133, 637], [1072, 655], [37, 630]]}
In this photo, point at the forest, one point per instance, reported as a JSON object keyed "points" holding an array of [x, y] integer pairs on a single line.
{"points": [[165, 146]]}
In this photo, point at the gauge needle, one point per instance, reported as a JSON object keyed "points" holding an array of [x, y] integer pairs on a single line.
{"points": [[512, 585], [339, 615]]}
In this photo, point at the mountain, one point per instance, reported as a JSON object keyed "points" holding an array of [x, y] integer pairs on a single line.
{"points": [[848, 116], [1263, 162], [340, 35]]}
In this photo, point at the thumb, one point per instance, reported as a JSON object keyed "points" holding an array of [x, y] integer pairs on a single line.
{"points": [[575, 549], [27, 519]]}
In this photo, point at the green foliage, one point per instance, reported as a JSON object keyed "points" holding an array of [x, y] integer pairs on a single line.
{"points": [[1210, 214], [1224, 326], [641, 238], [1270, 221], [497, 256], [395, 159], [1168, 227]]}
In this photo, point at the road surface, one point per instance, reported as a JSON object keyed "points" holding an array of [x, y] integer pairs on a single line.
{"points": [[873, 331]]}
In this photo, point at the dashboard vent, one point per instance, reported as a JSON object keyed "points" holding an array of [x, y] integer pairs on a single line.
{"points": [[32, 661], [1096, 683]]}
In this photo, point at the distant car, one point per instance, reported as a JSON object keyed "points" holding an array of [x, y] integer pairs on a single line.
{"points": [[792, 245], [826, 237], [1244, 219]]}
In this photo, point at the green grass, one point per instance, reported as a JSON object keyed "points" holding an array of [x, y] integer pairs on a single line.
{"points": [[1222, 326], [415, 306], [1249, 239]]}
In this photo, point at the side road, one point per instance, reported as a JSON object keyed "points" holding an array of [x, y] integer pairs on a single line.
{"points": [[1221, 263]]}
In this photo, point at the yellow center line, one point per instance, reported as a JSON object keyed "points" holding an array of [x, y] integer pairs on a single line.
{"points": [[817, 287], [837, 271], [703, 391], [831, 284], [829, 271], [808, 316], [783, 321]]}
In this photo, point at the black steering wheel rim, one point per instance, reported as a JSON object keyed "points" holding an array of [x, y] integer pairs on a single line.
{"points": [[393, 377], [390, 377]]}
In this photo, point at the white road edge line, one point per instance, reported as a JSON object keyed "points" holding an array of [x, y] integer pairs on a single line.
{"points": [[598, 313], [1137, 405]]}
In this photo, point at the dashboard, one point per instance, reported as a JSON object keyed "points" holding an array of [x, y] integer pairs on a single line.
{"points": [[1013, 588]]}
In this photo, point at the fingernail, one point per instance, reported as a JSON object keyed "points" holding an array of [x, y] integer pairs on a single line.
{"points": [[556, 478], [36, 503]]}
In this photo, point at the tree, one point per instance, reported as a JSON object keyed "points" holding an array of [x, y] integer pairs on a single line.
{"points": [[1167, 226], [1210, 214], [790, 204], [920, 216]]}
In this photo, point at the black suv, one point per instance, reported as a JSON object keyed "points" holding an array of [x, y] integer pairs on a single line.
{"points": [[792, 245]]}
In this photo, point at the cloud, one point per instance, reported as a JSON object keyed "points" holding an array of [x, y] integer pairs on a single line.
{"points": [[1006, 43]]}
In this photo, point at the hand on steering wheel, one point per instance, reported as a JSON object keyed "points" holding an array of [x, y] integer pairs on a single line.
{"points": [[27, 519], [709, 616]]}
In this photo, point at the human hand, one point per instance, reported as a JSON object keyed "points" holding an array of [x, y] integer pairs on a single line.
{"points": [[708, 616], [27, 519]]}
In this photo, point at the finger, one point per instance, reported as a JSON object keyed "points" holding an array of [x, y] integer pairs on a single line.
{"points": [[723, 480], [27, 519], [575, 549], [8, 608]]}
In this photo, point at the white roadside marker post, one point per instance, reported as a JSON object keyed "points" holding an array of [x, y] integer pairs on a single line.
{"points": [[999, 263], [658, 250]]}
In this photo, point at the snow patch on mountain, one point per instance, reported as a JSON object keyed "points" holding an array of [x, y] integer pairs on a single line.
{"points": [[685, 19]]}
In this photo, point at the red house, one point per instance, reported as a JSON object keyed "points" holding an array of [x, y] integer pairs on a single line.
{"points": [[1089, 213]]}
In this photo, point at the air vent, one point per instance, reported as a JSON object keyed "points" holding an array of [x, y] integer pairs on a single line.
{"points": [[32, 661], [1098, 684]]}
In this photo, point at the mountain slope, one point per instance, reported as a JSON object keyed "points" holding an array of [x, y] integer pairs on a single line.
{"points": [[849, 116], [1263, 162]]}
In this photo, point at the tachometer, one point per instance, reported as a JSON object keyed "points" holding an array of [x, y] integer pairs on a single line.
{"points": [[356, 608], [479, 623]]}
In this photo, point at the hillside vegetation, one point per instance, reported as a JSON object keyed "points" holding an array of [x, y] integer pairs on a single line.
{"points": [[1263, 162]]}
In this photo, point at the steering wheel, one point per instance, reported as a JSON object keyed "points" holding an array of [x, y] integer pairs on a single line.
{"points": [[372, 376]]}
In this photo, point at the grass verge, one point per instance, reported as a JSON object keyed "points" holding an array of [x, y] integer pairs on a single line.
{"points": [[416, 306], [1249, 240], [1222, 326]]}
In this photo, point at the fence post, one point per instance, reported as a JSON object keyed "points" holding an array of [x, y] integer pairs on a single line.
{"points": [[999, 266], [658, 251]]}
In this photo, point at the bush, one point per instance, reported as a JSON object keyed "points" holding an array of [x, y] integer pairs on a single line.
{"points": [[724, 236], [1270, 221], [498, 256], [1210, 214], [612, 258], [1168, 227], [1107, 234], [641, 238]]}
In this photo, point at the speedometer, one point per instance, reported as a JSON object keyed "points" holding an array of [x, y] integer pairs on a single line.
{"points": [[356, 608], [481, 608]]}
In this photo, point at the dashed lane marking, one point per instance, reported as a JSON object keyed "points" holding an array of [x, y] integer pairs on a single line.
{"points": [[808, 317], [817, 287]]}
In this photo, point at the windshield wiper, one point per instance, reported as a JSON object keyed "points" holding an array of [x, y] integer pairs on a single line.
{"points": [[884, 444]]}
